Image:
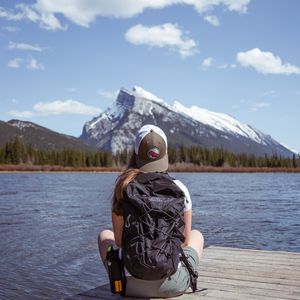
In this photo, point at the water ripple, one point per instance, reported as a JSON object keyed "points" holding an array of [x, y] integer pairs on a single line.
{"points": [[49, 224]]}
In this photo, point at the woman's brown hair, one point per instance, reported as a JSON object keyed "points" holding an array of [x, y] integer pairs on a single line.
{"points": [[122, 181]]}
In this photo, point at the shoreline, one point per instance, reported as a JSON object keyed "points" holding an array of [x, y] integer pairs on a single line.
{"points": [[188, 168]]}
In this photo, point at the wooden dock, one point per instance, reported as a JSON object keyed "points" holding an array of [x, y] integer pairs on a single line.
{"points": [[230, 273]]}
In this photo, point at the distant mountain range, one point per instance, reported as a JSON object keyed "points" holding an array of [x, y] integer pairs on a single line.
{"points": [[116, 127], [39, 137]]}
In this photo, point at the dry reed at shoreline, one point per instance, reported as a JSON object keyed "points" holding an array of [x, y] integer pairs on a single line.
{"points": [[182, 167]]}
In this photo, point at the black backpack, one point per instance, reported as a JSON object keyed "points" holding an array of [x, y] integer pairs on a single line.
{"points": [[153, 211]]}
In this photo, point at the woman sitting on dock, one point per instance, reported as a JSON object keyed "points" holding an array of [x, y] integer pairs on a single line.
{"points": [[147, 169]]}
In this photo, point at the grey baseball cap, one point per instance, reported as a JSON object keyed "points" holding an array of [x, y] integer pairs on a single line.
{"points": [[151, 149]]}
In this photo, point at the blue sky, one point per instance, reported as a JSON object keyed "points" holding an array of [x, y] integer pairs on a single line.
{"points": [[62, 62]]}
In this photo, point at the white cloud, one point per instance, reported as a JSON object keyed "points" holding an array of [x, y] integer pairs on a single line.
{"points": [[227, 66], [258, 105], [207, 62], [223, 66], [30, 63], [108, 94], [72, 90], [57, 107], [24, 46], [165, 35], [11, 28], [213, 20], [84, 12], [45, 19], [210, 62], [66, 107], [33, 64], [270, 93], [21, 114], [265, 62], [15, 63]]}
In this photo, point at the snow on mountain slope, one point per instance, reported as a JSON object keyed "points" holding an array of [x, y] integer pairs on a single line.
{"points": [[21, 124], [140, 92], [219, 121], [115, 128]]}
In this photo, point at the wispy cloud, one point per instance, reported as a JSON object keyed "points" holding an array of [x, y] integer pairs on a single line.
{"points": [[240, 104], [213, 20], [33, 64], [259, 105], [270, 93], [227, 66], [11, 28], [166, 35], [265, 62], [32, 13], [84, 12], [21, 114], [110, 95], [210, 62], [207, 62], [57, 107], [24, 46], [15, 63], [30, 63]]}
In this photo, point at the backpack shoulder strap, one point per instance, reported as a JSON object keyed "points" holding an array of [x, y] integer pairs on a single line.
{"points": [[193, 274]]}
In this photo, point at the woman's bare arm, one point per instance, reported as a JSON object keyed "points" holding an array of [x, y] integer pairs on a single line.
{"points": [[118, 223], [188, 226]]}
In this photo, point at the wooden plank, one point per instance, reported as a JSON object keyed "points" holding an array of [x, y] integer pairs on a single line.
{"points": [[285, 256], [255, 288], [243, 276], [235, 274], [228, 295], [263, 260], [102, 292], [257, 265], [256, 269], [225, 288], [219, 249]]}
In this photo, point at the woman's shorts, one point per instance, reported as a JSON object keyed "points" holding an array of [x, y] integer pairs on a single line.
{"points": [[173, 286]]}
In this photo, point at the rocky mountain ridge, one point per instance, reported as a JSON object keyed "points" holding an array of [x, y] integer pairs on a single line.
{"points": [[38, 136], [115, 128]]}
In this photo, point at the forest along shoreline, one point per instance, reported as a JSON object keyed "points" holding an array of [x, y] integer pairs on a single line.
{"points": [[178, 167], [15, 156]]}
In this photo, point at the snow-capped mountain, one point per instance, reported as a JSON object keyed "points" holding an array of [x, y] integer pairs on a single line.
{"points": [[116, 127]]}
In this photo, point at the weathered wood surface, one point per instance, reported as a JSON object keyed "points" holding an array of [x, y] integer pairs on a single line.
{"points": [[241, 274]]}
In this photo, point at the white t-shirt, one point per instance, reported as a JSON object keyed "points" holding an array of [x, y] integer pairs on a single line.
{"points": [[188, 200]]}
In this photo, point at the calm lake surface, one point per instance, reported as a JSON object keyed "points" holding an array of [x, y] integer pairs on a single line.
{"points": [[49, 224]]}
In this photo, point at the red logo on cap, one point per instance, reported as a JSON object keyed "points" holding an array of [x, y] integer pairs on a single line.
{"points": [[153, 153]]}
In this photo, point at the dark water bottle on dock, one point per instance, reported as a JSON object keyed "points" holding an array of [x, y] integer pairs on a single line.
{"points": [[116, 271]]}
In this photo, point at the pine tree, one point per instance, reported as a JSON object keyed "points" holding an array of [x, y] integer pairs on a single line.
{"points": [[2, 156]]}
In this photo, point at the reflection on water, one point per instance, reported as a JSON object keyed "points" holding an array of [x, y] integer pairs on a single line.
{"points": [[49, 224]]}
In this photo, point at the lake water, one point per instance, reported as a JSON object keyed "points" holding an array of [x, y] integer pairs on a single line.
{"points": [[49, 224]]}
